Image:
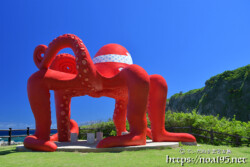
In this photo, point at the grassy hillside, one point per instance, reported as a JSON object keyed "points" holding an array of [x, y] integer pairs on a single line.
{"points": [[226, 94]]}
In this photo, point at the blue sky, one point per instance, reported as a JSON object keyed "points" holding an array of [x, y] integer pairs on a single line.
{"points": [[186, 42]]}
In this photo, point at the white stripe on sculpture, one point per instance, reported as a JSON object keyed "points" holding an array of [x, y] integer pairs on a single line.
{"points": [[127, 59]]}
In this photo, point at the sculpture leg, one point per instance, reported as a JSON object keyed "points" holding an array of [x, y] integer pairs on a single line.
{"points": [[137, 81], [73, 129], [39, 98], [120, 115], [63, 115], [156, 112], [148, 133], [38, 87], [65, 125], [119, 118]]}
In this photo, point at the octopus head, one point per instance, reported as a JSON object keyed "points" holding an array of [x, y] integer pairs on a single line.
{"points": [[111, 59]]}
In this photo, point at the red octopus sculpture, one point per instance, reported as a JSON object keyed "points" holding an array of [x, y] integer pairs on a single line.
{"points": [[111, 74]]}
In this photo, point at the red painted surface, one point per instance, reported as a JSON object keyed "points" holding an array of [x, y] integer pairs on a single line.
{"points": [[134, 90]]}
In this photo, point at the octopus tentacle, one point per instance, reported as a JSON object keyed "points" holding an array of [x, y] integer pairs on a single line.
{"points": [[63, 115], [73, 129], [156, 112], [44, 80], [37, 55], [64, 63], [69, 41], [87, 73], [86, 70], [136, 112], [119, 116]]}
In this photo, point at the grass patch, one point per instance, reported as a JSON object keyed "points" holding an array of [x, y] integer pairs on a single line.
{"points": [[10, 157]]}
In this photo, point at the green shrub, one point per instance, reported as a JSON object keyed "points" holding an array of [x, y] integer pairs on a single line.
{"points": [[232, 127], [108, 129], [173, 119]]}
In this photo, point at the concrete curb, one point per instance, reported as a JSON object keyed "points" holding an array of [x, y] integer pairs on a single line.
{"points": [[83, 146]]}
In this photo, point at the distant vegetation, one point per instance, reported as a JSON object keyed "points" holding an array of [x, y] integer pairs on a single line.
{"points": [[226, 94], [181, 119]]}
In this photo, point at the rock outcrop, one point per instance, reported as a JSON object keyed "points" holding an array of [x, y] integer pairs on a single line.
{"points": [[226, 94]]}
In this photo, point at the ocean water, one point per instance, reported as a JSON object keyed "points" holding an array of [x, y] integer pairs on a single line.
{"points": [[19, 139]]}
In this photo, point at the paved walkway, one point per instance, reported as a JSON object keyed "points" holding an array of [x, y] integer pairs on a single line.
{"points": [[83, 146]]}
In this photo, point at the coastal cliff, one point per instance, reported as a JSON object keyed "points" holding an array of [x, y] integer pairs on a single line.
{"points": [[226, 94]]}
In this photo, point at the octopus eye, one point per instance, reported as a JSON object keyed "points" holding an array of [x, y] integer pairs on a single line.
{"points": [[121, 68]]}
